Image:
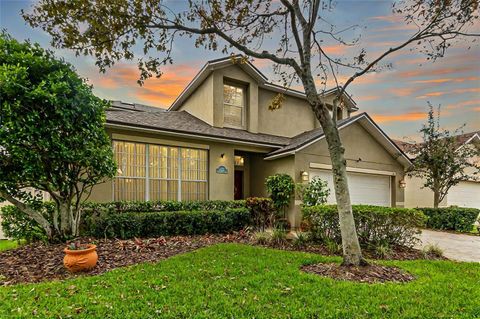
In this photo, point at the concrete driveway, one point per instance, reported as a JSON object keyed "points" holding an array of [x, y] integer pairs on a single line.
{"points": [[455, 246]]}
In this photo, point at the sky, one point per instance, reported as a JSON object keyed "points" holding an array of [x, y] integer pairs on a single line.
{"points": [[396, 98]]}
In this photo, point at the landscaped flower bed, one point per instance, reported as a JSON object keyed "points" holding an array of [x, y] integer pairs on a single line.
{"points": [[41, 262]]}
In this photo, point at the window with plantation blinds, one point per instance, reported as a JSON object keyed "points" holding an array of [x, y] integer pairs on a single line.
{"points": [[156, 172]]}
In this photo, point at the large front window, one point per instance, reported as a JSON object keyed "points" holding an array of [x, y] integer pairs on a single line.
{"points": [[233, 106], [157, 172]]}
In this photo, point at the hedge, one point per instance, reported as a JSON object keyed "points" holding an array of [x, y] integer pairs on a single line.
{"points": [[375, 225], [154, 224], [18, 226], [451, 218]]}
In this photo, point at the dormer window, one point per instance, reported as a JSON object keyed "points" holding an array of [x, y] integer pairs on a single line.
{"points": [[233, 106]]}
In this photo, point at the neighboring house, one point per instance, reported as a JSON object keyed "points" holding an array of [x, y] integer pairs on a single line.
{"points": [[219, 141], [464, 194]]}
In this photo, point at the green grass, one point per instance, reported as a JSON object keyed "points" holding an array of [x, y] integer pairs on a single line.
{"points": [[237, 281], [7, 244]]}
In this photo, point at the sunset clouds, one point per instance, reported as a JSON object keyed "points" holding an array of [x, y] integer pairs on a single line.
{"points": [[396, 95]]}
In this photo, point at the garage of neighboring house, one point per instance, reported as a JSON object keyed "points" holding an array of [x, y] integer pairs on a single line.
{"points": [[465, 194]]}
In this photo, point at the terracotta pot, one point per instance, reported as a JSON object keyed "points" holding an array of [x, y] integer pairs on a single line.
{"points": [[80, 260]]}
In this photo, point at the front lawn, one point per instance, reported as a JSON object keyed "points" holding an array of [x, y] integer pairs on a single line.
{"points": [[7, 244], [241, 281]]}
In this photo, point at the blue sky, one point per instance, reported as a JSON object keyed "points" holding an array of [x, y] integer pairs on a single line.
{"points": [[396, 99]]}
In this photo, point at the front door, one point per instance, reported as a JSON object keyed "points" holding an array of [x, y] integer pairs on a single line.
{"points": [[238, 185]]}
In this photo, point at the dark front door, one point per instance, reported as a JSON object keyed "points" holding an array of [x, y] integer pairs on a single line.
{"points": [[238, 185]]}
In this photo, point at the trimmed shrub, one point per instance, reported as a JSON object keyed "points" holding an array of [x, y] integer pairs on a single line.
{"points": [[263, 212], [451, 218], [17, 225], [375, 225], [154, 224], [281, 188]]}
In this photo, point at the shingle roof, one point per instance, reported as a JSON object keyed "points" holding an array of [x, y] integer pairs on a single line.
{"points": [[459, 140], [183, 122], [308, 136], [123, 106]]}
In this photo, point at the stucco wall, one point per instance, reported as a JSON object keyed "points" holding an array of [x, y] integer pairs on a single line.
{"points": [[416, 196], [220, 186], [200, 103], [292, 118], [359, 144]]}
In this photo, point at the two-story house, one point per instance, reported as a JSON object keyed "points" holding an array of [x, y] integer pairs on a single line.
{"points": [[219, 140]]}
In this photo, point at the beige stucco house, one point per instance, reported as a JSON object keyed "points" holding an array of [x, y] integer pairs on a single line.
{"points": [[219, 140], [464, 194]]}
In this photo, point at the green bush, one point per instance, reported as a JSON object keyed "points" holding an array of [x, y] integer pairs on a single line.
{"points": [[263, 212], [281, 188], [375, 225], [314, 192], [17, 225], [154, 224], [95, 213], [451, 218]]}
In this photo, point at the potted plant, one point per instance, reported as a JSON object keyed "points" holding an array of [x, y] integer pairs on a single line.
{"points": [[80, 257]]}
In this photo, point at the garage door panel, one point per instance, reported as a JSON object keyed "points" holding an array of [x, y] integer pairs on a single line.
{"points": [[366, 189], [465, 194]]}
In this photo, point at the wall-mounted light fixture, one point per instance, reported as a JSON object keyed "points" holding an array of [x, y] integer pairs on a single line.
{"points": [[222, 155], [304, 176], [402, 183]]}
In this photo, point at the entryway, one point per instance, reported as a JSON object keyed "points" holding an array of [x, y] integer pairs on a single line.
{"points": [[241, 184]]}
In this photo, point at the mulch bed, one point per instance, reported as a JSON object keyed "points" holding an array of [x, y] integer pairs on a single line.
{"points": [[40, 262], [371, 273], [397, 253]]}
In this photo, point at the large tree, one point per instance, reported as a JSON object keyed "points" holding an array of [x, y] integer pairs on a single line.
{"points": [[441, 160], [290, 33], [52, 136]]}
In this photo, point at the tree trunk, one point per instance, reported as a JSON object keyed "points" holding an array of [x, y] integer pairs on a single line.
{"points": [[352, 254], [64, 211], [436, 198], [33, 214]]}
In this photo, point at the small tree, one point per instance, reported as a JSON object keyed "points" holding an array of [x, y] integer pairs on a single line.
{"points": [[52, 136], [314, 192], [440, 160], [281, 188]]}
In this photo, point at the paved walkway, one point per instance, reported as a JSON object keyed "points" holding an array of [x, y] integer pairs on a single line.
{"points": [[455, 246]]}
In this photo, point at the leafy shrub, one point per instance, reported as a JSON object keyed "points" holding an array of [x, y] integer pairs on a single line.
{"points": [[96, 212], [17, 225], [314, 192], [154, 224], [451, 218], [281, 188], [262, 210], [375, 225]]}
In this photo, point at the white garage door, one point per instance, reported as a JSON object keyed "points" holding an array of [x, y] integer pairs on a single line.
{"points": [[364, 188], [464, 194]]}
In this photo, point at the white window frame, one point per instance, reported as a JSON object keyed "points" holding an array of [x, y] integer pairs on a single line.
{"points": [[243, 107], [179, 179]]}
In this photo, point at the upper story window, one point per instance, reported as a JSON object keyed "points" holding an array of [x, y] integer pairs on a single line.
{"points": [[233, 106]]}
